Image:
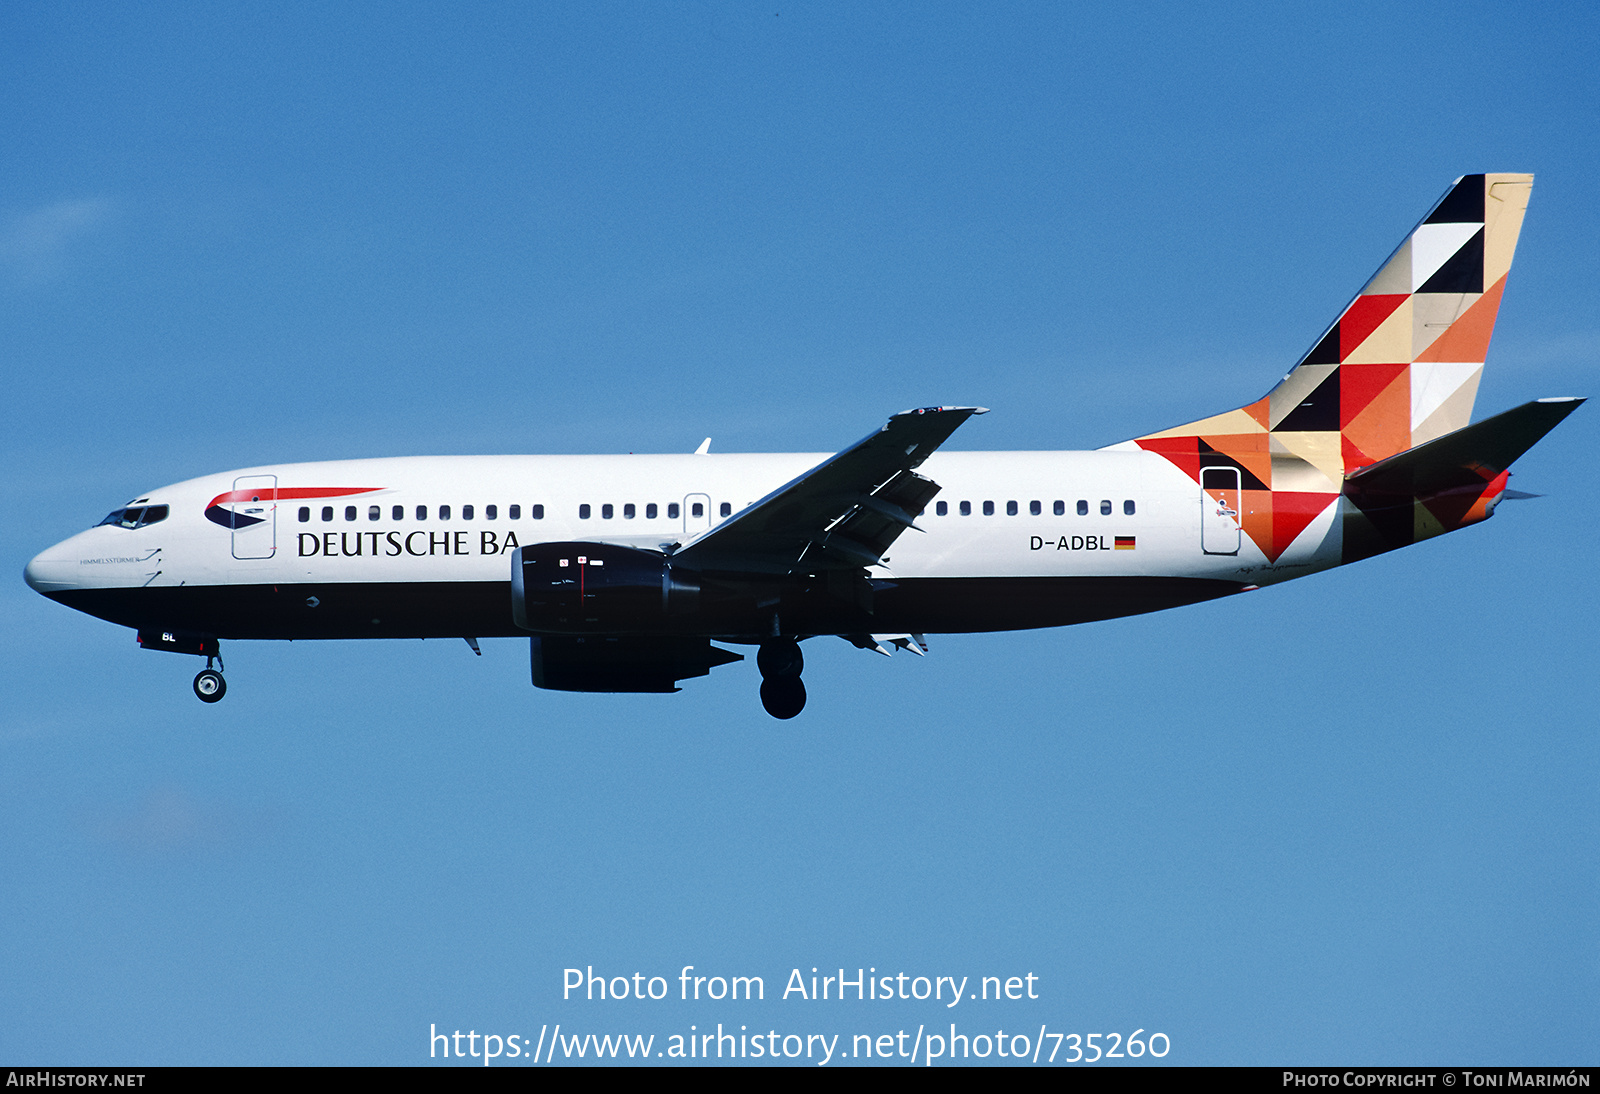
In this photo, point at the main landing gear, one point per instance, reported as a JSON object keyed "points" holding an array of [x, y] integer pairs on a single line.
{"points": [[209, 686], [781, 663]]}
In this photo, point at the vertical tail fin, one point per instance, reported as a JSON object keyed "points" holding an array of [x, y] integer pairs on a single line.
{"points": [[1401, 365], [1398, 368]]}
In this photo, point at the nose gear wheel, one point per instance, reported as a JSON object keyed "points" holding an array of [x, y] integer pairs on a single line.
{"points": [[209, 686]]}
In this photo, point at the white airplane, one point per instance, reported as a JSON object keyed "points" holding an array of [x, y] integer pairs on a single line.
{"points": [[623, 570]]}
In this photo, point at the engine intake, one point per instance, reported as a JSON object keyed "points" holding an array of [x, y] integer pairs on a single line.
{"points": [[593, 588]]}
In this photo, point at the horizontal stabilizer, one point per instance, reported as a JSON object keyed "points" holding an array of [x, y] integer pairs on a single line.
{"points": [[1470, 456]]}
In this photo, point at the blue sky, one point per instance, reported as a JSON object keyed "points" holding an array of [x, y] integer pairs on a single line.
{"points": [[1350, 819]]}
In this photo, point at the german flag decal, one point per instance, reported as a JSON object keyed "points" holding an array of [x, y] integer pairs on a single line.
{"points": [[1125, 543]]}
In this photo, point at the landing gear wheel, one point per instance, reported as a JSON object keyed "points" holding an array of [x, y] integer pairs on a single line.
{"points": [[209, 686], [779, 659], [784, 697]]}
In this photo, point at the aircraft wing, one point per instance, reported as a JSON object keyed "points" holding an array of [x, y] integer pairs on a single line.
{"points": [[842, 514]]}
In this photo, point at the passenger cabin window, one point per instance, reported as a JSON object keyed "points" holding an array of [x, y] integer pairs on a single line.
{"points": [[491, 512], [726, 509], [349, 512], [629, 512], [327, 512], [650, 511], [514, 512], [1127, 508], [988, 508], [1034, 508], [305, 513], [697, 510], [422, 512], [1011, 508], [942, 509], [1060, 509], [607, 511], [375, 512], [672, 510], [466, 512], [1083, 507], [536, 512], [1105, 508], [444, 512], [583, 511], [966, 508], [398, 512]]}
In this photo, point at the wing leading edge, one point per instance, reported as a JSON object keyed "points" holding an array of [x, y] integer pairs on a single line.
{"points": [[842, 514]]}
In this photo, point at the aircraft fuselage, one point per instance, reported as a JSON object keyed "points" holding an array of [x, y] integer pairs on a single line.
{"points": [[407, 548]]}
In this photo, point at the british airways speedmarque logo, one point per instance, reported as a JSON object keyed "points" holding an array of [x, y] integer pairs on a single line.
{"points": [[242, 508]]}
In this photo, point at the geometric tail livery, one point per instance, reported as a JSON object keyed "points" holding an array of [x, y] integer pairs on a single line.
{"points": [[1398, 368]]}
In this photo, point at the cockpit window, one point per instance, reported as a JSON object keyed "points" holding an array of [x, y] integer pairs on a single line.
{"points": [[136, 516], [121, 518]]}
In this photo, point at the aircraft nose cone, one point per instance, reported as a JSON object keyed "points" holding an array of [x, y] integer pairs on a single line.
{"points": [[50, 572]]}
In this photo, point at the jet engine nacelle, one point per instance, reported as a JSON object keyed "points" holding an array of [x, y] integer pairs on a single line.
{"points": [[593, 588]]}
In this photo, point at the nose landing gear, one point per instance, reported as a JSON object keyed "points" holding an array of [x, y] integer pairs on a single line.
{"points": [[780, 662], [209, 686]]}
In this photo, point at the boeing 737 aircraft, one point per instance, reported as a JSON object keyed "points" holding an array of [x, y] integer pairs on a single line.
{"points": [[624, 570]]}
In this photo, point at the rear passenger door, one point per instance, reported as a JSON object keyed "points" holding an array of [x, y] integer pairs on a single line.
{"points": [[1220, 501]]}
